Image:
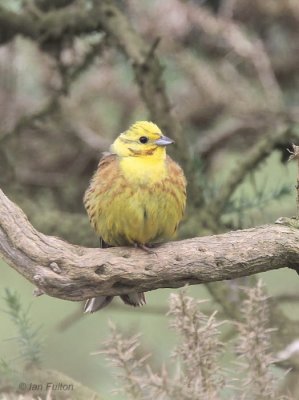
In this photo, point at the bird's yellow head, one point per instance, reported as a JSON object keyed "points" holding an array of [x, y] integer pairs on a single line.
{"points": [[142, 139]]}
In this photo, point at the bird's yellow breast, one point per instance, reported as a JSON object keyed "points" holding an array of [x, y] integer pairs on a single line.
{"points": [[136, 199], [143, 170]]}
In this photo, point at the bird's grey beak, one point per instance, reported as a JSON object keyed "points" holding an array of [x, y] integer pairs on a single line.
{"points": [[164, 141]]}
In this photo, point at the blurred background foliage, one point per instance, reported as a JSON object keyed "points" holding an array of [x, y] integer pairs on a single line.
{"points": [[230, 69]]}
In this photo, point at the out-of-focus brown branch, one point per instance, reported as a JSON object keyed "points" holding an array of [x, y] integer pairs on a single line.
{"points": [[217, 138], [226, 9], [223, 32], [250, 49], [89, 137], [29, 120], [46, 26], [13, 24], [286, 11], [46, 5], [287, 298], [254, 156], [70, 74]]}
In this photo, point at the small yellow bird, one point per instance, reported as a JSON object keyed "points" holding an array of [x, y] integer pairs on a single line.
{"points": [[136, 197]]}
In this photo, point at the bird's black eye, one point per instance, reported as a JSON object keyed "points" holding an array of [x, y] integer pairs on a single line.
{"points": [[143, 139]]}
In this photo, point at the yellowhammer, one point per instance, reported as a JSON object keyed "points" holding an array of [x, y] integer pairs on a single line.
{"points": [[136, 197]]}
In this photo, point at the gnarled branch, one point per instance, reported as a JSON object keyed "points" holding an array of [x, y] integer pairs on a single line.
{"points": [[75, 273]]}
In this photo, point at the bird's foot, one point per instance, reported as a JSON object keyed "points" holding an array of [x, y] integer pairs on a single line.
{"points": [[144, 247]]}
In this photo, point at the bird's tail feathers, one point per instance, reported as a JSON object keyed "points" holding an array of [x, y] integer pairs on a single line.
{"points": [[97, 303], [134, 299]]}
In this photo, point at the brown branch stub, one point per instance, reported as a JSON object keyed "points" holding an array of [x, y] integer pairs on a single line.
{"points": [[86, 272], [294, 155]]}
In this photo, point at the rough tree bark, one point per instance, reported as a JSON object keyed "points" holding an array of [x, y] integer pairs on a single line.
{"points": [[71, 272]]}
